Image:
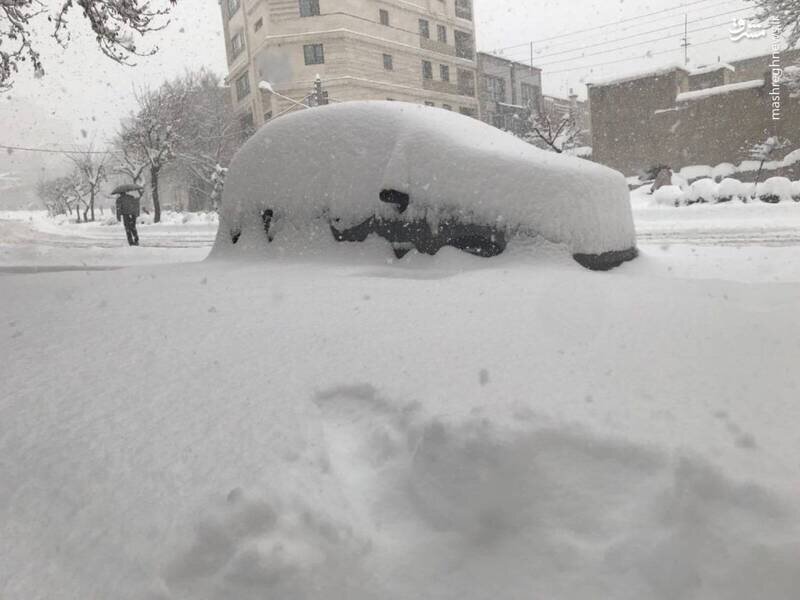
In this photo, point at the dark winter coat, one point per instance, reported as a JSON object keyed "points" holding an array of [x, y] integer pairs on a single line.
{"points": [[127, 205]]}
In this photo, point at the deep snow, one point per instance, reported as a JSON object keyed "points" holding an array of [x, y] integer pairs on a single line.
{"points": [[444, 428]]}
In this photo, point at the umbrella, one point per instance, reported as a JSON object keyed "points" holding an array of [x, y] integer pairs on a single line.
{"points": [[125, 188]]}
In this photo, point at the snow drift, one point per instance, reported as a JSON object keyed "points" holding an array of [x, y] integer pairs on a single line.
{"points": [[306, 172]]}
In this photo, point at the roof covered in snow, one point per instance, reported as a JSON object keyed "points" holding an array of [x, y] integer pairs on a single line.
{"points": [[712, 69], [638, 75], [720, 89], [331, 164]]}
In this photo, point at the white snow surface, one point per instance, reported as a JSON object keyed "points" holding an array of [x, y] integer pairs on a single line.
{"points": [[332, 163], [441, 427]]}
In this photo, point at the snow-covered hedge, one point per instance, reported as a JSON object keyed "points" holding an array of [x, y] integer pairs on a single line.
{"points": [[774, 190], [706, 191], [311, 170]]}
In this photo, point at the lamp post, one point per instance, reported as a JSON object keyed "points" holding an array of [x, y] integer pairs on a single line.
{"points": [[266, 86]]}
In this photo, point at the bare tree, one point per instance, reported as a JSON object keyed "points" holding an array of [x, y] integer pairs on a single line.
{"points": [[115, 23], [150, 139], [552, 129], [90, 167], [784, 14], [210, 137]]}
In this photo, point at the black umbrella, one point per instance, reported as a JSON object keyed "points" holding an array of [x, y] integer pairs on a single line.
{"points": [[125, 188]]}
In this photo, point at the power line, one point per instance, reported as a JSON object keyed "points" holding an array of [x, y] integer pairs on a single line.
{"points": [[607, 25], [636, 45], [630, 58], [56, 151], [600, 35], [649, 32]]}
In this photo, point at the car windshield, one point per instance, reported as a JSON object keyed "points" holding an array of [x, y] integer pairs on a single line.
{"points": [[399, 299]]}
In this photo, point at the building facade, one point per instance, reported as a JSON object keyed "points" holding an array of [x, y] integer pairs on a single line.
{"points": [[507, 90], [680, 118], [420, 51]]}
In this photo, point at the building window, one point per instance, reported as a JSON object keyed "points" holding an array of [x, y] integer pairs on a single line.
{"points": [[441, 33], [464, 9], [444, 72], [247, 125], [429, 103], [466, 82], [496, 88], [309, 8], [233, 6], [447, 107], [424, 29], [384, 17], [427, 70], [470, 112], [529, 94], [314, 54], [259, 24], [388, 62], [237, 44], [243, 86], [465, 46]]}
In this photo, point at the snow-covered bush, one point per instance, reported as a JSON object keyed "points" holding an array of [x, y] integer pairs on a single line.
{"points": [[344, 172], [774, 190], [796, 191], [731, 189], [702, 191], [669, 195], [723, 170]]}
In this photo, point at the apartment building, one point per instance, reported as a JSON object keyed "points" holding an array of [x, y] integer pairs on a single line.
{"points": [[506, 92], [420, 51]]}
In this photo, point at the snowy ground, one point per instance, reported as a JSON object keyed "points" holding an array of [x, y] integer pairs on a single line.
{"points": [[442, 428]]}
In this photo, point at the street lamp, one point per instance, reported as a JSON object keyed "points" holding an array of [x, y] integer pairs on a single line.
{"points": [[266, 86]]}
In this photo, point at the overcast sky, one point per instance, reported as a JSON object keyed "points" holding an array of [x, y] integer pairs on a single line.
{"points": [[84, 94]]}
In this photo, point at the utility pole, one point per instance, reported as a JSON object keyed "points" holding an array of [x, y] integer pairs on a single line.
{"points": [[686, 42], [531, 56]]}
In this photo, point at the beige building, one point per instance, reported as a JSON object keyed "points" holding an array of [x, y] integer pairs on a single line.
{"points": [[420, 51], [680, 118]]}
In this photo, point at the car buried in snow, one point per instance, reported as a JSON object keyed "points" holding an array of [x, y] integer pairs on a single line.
{"points": [[419, 178]]}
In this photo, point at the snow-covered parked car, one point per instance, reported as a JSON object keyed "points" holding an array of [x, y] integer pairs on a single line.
{"points": [[421, 179]]}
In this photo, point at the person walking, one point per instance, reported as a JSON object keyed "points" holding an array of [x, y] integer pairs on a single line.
{"points": [[128, 207]]}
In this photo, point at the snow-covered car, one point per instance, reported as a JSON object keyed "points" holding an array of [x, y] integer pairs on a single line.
{"points": [[421, 179]]}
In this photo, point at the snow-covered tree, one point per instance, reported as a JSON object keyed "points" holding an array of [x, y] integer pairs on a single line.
{"points": [[116, 25], [90, 168], [55, 194], [785, 14], [210, 136], [552, 129], [150, 139]]}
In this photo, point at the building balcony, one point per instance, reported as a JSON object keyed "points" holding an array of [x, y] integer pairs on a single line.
{"points": [[436, 46], [444, 87]]}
